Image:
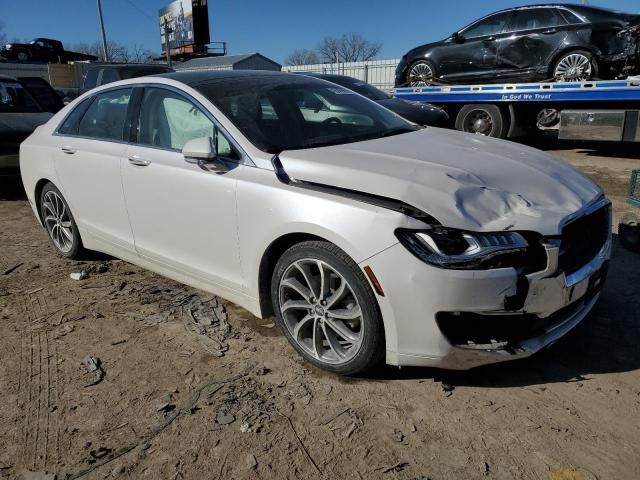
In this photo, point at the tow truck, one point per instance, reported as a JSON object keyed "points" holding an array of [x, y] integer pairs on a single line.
{"points": [[607, 110]]}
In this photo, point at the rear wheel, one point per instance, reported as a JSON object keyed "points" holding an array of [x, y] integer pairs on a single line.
{"points": [[59, 222], [629, 232], [420, 74], [326, 308], [575, 66], [486, 120]]}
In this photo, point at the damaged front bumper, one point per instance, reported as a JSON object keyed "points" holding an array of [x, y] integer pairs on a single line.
{"points": [[460, 319]]}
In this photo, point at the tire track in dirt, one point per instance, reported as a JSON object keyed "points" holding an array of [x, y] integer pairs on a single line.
{"points": [[38, 384]]}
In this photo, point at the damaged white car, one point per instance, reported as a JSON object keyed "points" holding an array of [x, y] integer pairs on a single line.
{"points": [[368, 237]]}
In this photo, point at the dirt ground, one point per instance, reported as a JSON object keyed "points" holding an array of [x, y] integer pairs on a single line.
{"points": [[190, 388]]}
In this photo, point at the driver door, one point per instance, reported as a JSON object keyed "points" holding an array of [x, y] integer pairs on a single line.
{"points": [[183, 216], [473, 56]]}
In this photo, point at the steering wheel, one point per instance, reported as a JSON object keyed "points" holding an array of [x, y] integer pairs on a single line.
{"points": [[332, 121]]}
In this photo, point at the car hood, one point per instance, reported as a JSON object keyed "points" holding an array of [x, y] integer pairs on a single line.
{"points": [[420, 113], [465, 181]]}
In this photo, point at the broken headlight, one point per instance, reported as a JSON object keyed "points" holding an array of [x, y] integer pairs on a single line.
{"points": [[451, 248]]}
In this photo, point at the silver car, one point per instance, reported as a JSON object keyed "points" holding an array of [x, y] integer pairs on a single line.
{"points": [[368, 237]]}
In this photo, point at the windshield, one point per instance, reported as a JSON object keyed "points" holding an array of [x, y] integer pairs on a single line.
{"points": [[14, 98], [362, 88], [286, 112]]}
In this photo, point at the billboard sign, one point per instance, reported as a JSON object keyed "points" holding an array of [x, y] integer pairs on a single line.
{"points": [[185, 22]]}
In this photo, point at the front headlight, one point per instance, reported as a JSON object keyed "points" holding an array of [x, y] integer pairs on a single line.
{"points": [[8, 46], [450, 248]]}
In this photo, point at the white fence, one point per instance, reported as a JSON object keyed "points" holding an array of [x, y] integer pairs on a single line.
{"points": [[379, 73]]}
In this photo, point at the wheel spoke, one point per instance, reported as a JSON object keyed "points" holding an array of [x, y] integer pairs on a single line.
{"points": [[324, 280], [295, 305], [337, 294], [345, 314], [294, 284], [318, 336], [342, 330], [333, 342], [301, 324], [67, 232], [306, 274]]}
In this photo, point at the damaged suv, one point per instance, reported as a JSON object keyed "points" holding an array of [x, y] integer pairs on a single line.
{"points": [[367, 236]]}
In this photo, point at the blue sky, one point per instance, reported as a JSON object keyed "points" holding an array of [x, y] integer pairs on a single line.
{"points": [[273, 27]]}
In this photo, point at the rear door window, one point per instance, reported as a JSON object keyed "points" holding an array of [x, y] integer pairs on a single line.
{"points": [[533, 18], [106, 116]]}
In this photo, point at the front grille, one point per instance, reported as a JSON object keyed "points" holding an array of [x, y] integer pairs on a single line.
{"points": [[583, 238]]}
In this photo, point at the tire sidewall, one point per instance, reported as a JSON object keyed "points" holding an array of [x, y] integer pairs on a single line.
{"points": [[372, 348], [76, 249]]}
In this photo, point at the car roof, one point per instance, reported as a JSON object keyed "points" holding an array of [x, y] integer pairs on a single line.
{"points": [[195, 77], [127, 65], [569, 6], [329, 76]]}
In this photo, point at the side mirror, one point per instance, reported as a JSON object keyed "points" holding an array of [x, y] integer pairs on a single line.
{"points": [[458, 37], [202, 152]]}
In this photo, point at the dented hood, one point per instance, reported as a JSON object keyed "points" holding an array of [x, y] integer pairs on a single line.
{"points": [[465, 181]]}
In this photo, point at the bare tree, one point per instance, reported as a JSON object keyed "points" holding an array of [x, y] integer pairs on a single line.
{"points": [[302, 56], [116, 52], [140, 54], [3, 36], [350, 47]]}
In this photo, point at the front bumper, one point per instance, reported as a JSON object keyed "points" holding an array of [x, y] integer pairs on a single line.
{"points": [[416, 294]]}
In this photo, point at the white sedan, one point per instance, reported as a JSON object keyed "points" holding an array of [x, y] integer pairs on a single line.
{"points": [[369, 239]]}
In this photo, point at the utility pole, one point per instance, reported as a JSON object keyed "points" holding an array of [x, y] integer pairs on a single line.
{"points": [[167, 47], [104, 35]]}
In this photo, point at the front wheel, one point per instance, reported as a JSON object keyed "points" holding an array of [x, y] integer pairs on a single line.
{"points": [[327, 309], [420, 74], [575, 66], [22, 55]]}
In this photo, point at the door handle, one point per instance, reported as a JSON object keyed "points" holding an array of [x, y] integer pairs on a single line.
{"points": [[68, 150], [549, 31], [139, 162]]}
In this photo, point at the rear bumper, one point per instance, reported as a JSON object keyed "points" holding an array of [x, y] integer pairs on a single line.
{"points": [[416, 294]]}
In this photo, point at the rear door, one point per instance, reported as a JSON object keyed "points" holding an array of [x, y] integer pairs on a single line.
{"points": [[87, 162], [537, 33]]}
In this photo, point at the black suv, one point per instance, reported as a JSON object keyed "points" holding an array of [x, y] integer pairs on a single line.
{"points": [[524, 44], [98, 75]]}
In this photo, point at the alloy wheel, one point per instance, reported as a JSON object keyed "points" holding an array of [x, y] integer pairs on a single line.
{"points": [[420, 75], [574, 67], [58, 221], [22, 56], [321, 311]]}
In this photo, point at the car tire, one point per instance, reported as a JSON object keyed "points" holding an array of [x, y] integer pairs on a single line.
{"points": [[59, 223], [423, 71], [487, 120], [573, 61], [308, 302], [629, 232], [22, 55]]}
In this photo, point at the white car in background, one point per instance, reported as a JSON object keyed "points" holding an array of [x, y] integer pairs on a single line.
{"points": [[370, 239]]}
